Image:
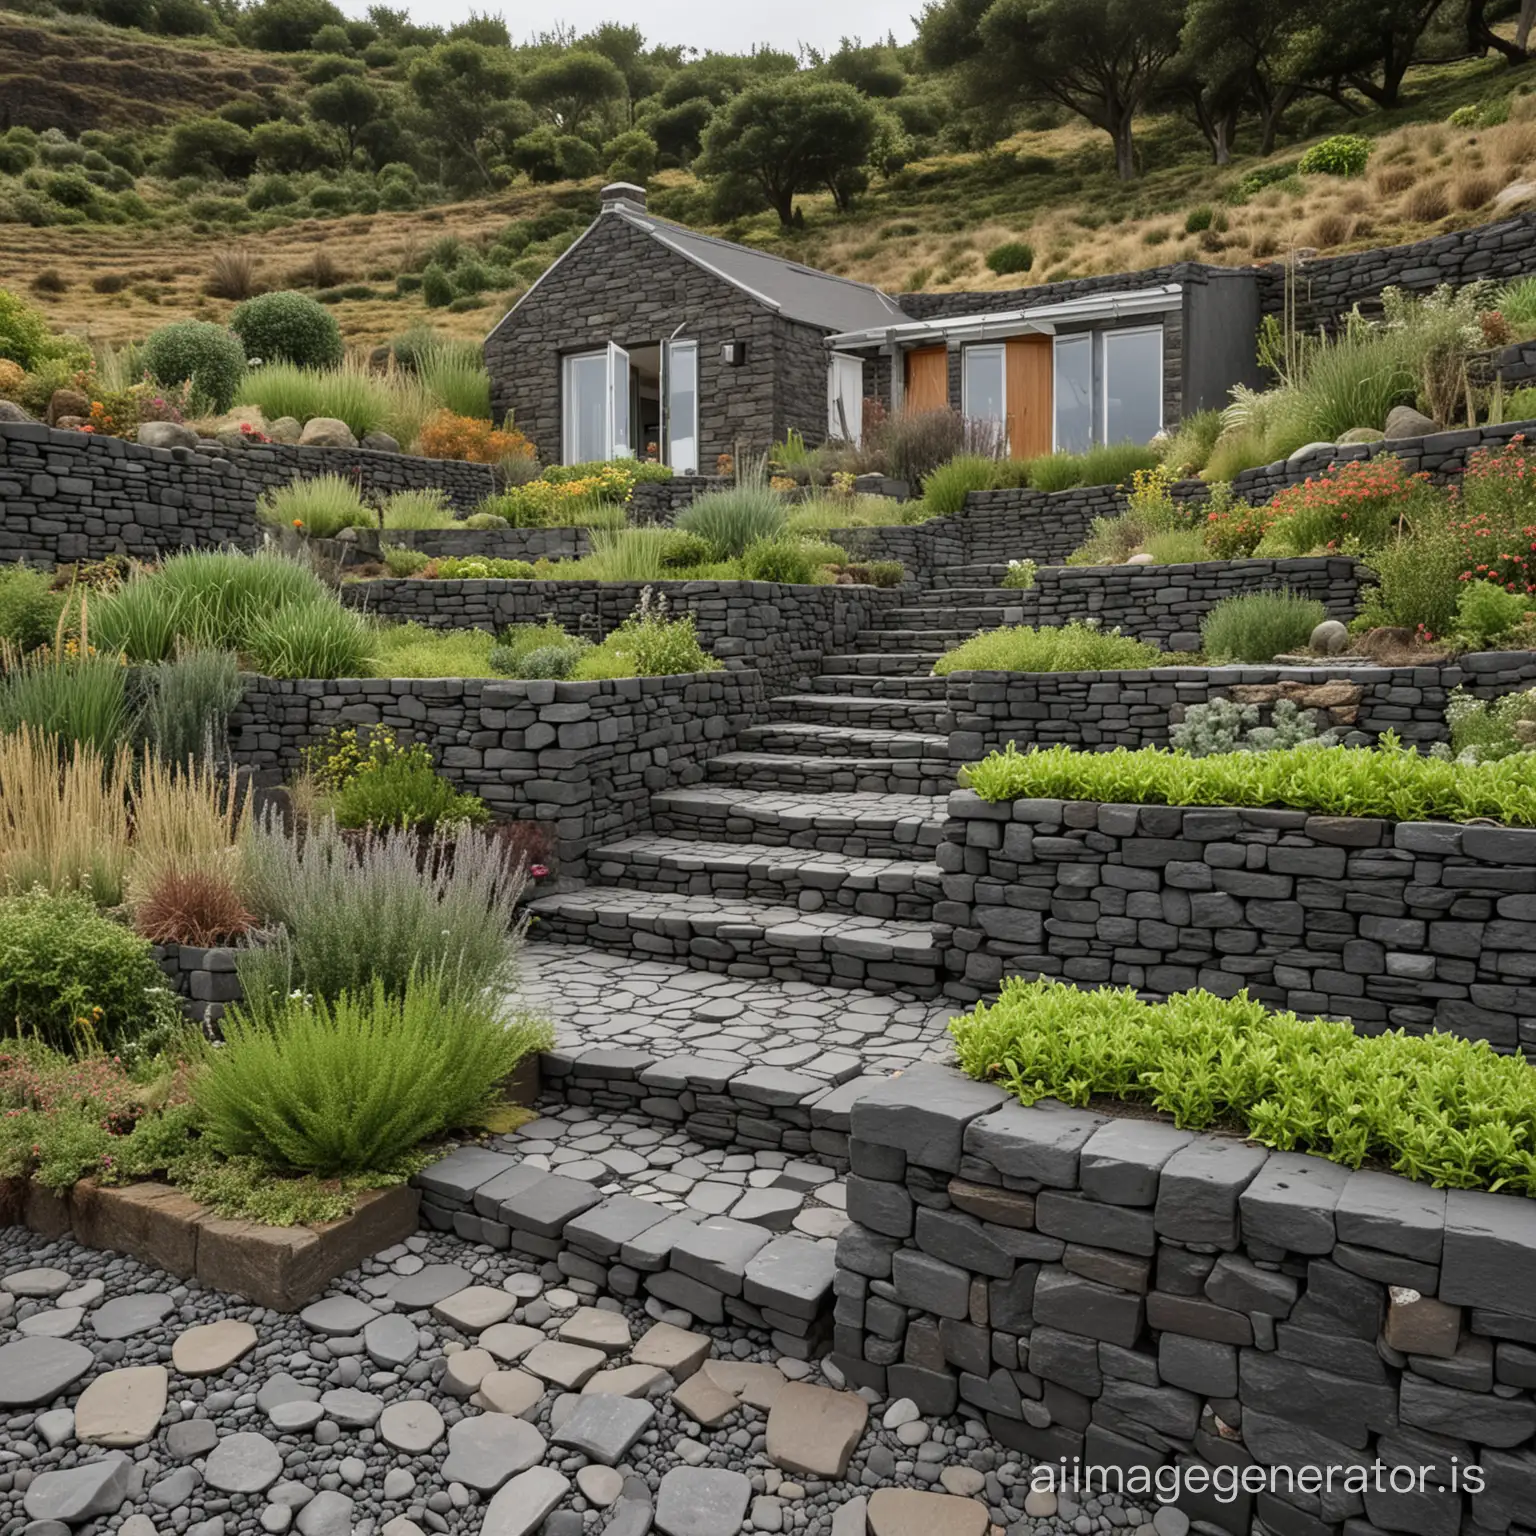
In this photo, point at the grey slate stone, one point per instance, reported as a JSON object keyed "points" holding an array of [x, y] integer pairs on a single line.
{"points": [[605, 1425], [428, 1286], [1121, 1161], [1065, 1358], [329, 1513], [881, 1206], [243, 1463], [36, 1370], [774, 1086], [707, 1074], [702, 1501], [929, 1284], [337, 1316], [125, 1316], [791, 1275], [507, 1185], [717, 1251], [1201, 1365], [866, 1253], [1509, 1492], [680, 1290], [1336, 1406], [962, 1240], [926, 1112], [652, 1248], [1490, 1252], [74, 1495], [1237, 1282], [606, 1228], [1290, 1203], [1487, 1420], [463, 1171], [544, 1207], [1077, 1219], [1082, 1306], [1199, 1188], [1043, 1142], [1380, 1210], [391, 1341], [485, 1451], [191, 1438]]}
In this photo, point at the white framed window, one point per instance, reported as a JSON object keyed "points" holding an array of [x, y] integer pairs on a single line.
{"points": [[1072, 391], [680, 394], [983, 382], [595, 400], [845, 398], [1133, 385]]}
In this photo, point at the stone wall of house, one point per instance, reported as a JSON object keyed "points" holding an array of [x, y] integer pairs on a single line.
{"points": [[1103, 710], [1280, 1332], [73, 496], [779, 632], [1392, 925], [581, 758]]}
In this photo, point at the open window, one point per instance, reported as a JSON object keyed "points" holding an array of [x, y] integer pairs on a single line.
{"points": [[680, 392], [845, 398], [596, 415]]}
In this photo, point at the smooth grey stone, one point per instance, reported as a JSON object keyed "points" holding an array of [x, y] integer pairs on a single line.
{"points": [[36, 1370], [605, 1425], [175, 1490], [327, 1514], [284, 1388], [125, 1316], [484, 1452], [414, 1293], [191, 1438], [43, 1282], [391, 1341], [292, 1417], [77, 1494], [702, 1501], [352, 1409], [337, 1316], [244, 1462]]}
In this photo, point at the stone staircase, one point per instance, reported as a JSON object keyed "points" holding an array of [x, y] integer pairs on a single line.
{"points": [[807, 856]]}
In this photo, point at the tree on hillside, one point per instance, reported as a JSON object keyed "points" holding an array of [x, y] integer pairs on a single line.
{"points": [[1101, 59], [470, 110], [1367, 46], [574, 88], [348, 106], [875, 71], [289, 26], [679, 130], [285, 146], [789, 136]]}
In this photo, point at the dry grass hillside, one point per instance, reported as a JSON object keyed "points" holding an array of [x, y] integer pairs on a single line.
{"points": [[931, 226]]}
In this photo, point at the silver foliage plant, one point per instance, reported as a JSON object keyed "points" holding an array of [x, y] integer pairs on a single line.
{"points": [[1224, 726]]}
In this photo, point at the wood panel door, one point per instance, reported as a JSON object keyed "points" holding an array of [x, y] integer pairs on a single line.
{"points": [[1028, 369], [927, 379]]}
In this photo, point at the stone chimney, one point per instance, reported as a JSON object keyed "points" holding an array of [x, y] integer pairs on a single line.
{"points": [[622, 194]]}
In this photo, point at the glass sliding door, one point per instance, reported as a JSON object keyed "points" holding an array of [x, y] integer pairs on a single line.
{"points": [[586, 425], [845, 398], [1073, 391], [1133, 385], [680, 397], [983, 391]]}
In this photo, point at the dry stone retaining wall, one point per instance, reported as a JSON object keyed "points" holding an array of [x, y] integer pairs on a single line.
{"points": [[580, 758], [1140, 1297], [1415, 926]]}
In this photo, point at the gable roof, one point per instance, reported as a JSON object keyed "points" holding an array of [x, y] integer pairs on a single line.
{"points": [[797, 292]]}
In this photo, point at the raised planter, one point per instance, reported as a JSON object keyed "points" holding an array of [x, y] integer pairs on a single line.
{"points": [[278, 1267]]}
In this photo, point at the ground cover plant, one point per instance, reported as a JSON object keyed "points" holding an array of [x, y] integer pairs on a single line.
{"points": [[1258, 626], [1435, 1108], [1389, 780], [1076, 647]]}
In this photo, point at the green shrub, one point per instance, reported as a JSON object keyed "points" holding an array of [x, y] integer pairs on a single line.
{"points": [[417, 509], [1067, 648], [187, 702], [384, 908], [70, 977], [1258, 626], [483, 520], [482, 568], [207, 358], [1390, 781], [401, 560], [648, 644], [1419, 575], [1485, 613], [886, 573], [1344, 154], [1178, 546], [1435, 1108], [288, 327], [544, 661], [415, 650], [73, 698], [404, 791], [29, 610], [352, 1085], [945, 489], [729, 520], [309, 640], [683, 550], [1262, 176], [436, 287], [786, 560], [1116, 463], [1189, 449], [1200, 219], [320, 507], [1020, 575], [1516, 301], [23, 331], [1011, 256], [1054, 471]]}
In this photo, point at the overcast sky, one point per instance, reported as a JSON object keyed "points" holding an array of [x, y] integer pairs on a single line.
{"points": [[729, 26]]}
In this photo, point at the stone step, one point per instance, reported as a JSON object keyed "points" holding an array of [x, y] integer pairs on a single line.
{"points": [[906, 640], [819, 774], [904, 687], [806, 879], [980, 593], [861, 709], [748, 938], [882, 663], [862, 825], [807, 739], [970, 616]]}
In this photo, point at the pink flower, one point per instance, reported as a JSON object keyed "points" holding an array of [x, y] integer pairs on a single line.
{"points": [[538, 871]]}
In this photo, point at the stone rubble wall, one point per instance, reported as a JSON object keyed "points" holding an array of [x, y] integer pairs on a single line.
{"points": [[205, 979], [780, 632], [1102, 710], [68, 496], [1415, 926], [1140, 1297], [581, 758]]}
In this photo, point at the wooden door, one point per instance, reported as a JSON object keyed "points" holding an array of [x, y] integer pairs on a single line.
{"points": [[1028, 383], [927, 379]]}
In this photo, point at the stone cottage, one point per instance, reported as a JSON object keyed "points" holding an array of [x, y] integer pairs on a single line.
{"points": [[649, 338]]}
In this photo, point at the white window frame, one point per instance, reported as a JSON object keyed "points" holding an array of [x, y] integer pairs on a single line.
{"points": [[842, 368], [1103, 347], [616, 444], [1071, 339], [670, 352]]}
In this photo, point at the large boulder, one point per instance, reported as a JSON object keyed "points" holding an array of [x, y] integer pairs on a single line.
{"points": [[167, 434], [1404, 421], [1330, 638], [326, 432], [1362, 435], [381, 442], [68, 402], [286, 429], [10, 411]]}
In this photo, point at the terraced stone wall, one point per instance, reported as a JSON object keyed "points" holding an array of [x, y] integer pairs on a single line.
{"points": [[74, 496], [580, 758], [1405, 925], [1161, 1303], [1101, 710], [781, 632]]}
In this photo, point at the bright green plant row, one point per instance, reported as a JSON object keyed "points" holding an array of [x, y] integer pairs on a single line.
{"points": [[1443, 1110], [1051, 648], [1389, 780]]}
